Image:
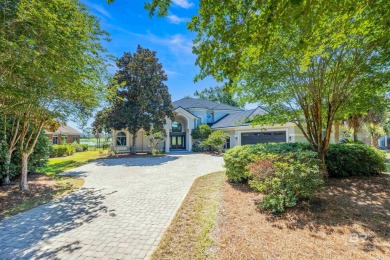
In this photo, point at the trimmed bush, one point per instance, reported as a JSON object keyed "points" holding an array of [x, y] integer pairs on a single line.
{"points": [[342, 160], [285, 179], [77, 147], [238, 158], [69, 149], [85, 147], [59, 150], [216, 140], [350, 159]]}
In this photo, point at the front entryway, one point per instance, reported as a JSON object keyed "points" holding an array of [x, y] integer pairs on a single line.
{"points": [[178, 141]]}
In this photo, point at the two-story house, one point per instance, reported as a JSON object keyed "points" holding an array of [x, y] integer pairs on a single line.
{"points": [[191, 112]]}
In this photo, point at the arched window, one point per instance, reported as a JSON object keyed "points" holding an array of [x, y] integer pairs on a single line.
{"points": [[121, 139], [176, 127]]}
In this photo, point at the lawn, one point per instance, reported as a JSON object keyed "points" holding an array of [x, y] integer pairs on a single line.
{"points": [[61, 164], [348, 220], [387, 162], [46, 185]]}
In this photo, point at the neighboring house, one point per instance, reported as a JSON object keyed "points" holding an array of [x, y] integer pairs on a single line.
{"points": [[64, 135], [191, 112]]}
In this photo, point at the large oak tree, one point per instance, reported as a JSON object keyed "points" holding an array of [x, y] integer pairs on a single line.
{"points": [[142, 99]]}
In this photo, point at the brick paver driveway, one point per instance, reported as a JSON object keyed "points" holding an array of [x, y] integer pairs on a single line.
{"points": [[121, 212]]}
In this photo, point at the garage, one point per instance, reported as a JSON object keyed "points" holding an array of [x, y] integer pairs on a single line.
{"points": [[263, 137]]}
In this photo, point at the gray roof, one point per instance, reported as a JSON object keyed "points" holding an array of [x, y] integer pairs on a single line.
{"points": [[187, 103], [234, 119], [64, 129]]}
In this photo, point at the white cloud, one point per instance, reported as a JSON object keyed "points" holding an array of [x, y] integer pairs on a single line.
{"points": [[176, 19], [177, 43], [183, 3], [101, 10]]}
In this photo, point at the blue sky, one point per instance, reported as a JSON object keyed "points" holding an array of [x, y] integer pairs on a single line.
{"points": [[129, 24]]}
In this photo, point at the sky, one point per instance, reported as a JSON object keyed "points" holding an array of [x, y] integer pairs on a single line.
{"points": [[129, 25]]}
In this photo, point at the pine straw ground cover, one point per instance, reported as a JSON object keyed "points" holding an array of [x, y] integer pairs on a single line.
{"points": [[349, 220]]}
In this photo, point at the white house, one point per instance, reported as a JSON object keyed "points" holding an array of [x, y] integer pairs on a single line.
{"points": [[191, 112]]}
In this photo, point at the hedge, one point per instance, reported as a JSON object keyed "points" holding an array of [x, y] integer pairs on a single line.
{"points": [[238, 158], [342, 160], [345, 160]]}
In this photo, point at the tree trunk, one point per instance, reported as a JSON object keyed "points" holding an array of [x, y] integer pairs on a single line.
{"points": [[7, 164], [323, 169], [23, 176], [374, 141], [134, 144], [355, 134], [337, 131]]}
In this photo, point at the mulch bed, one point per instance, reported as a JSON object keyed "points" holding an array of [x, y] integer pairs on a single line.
{"points": [[349, 220], [39, 186]]}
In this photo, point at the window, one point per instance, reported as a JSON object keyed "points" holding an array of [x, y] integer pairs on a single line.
{"points": [[227, 143], [176, 127], [121, 139], [75, 139], [64, 139], [55, 139]]}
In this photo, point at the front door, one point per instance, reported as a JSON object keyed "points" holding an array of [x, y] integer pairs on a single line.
{"points": [[178, 142]]}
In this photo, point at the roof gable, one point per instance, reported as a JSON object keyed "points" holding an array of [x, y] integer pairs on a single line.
{"points": [[65, 129], [188, 103]]}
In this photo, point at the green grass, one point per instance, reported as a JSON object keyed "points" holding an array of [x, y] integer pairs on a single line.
{"points": [[188, 236], [61, 164]]}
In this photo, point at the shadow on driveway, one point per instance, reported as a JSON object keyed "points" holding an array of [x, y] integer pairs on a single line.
{"points": [[20, 233]]}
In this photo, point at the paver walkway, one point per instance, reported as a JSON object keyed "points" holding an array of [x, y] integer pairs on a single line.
{"points": [[121, 212]]}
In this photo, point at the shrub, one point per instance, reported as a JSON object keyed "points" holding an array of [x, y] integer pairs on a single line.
{"points": [[69, 149], [77, 147], [59, 150], [85, 147], [37, 159], [285, 179], [345, 160], [202, 132], [238, 158], [216, 140], [196, 148]]}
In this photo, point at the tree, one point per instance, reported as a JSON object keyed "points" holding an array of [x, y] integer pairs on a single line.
{"points": [[51, 60], [142, 99], [202, 132], [154, 6], [155, 137], [216, 140], [355, 122], [217, 94], [304, 60], [101, 125], [375, 123]]}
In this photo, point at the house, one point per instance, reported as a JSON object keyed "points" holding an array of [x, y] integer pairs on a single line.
{"points": [[64, 135], [191, 112]]}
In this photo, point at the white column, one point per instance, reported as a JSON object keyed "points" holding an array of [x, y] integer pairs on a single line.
{"points": [[189, 140], [167, 142]]}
